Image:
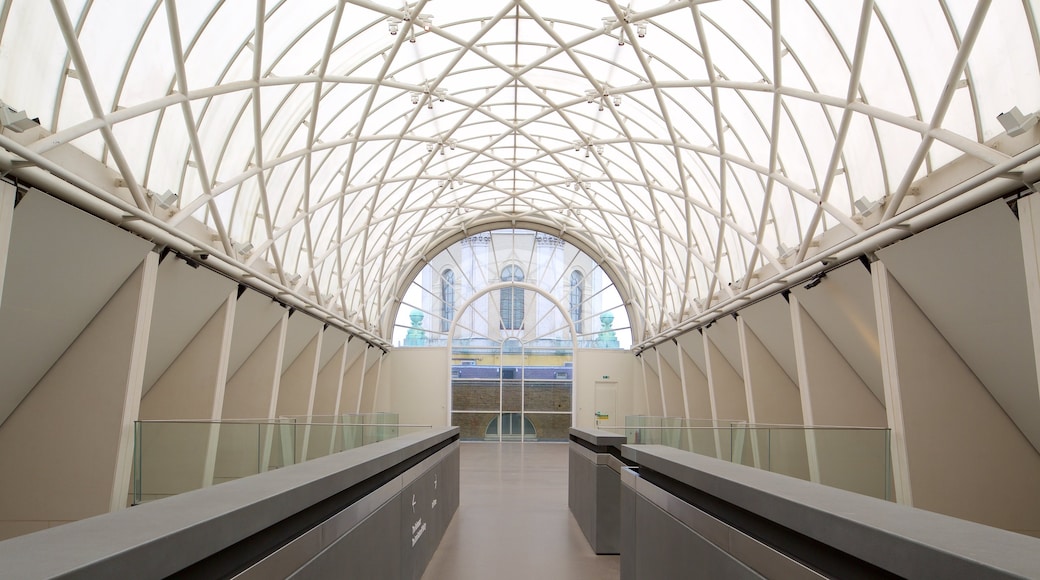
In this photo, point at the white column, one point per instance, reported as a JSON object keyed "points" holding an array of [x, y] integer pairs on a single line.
{"points": [[893, 391], [1029, 224], [8, 194]]}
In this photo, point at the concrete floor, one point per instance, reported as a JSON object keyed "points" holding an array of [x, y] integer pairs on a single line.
{"points": [[513, 520]]}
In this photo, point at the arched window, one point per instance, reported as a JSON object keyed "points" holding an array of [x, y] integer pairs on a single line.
{"points": [[511, 302], [510, 428], [577, 297], [447, 299]]}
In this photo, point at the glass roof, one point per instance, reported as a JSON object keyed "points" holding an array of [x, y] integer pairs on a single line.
{"points": [[693, 148]]}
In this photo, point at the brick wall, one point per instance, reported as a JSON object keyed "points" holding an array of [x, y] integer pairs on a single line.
{"points": [[475, 395]]}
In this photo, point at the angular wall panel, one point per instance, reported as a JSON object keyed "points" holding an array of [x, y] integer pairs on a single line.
{"points": [[54, 285], [967, 276], [185, 299], [963, 455], [66, 449]]}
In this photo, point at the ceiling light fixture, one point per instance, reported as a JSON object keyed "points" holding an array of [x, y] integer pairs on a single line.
{"points": [[16, 120], [166, 200], [1015, 123], [394, 25]]}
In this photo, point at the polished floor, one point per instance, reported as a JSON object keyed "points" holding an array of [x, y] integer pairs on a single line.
{"points": [[513, 521]]}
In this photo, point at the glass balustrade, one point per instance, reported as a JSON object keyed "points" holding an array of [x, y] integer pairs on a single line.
{"points": [[172, 457], [851, 458]]}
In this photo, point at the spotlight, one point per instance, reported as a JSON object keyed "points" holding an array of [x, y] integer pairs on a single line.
{"points": [[641, 29], [15, 120], [599, 150], [429, 147], [242, 248], [393, 24], [166, 200], [1015, 123], [415, 98], [617, 100], [816, 280]]}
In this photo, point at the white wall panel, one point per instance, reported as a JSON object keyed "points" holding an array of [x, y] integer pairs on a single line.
{"points": [[724, 334], [693, 346], [964, 456], [726, 388], [353, 375], [967, 276], [66, 448], [182, 456], [419, 384], [842, 306], [296, 388], [297, 385], [251, 393], [328, 389], [770, 320], [652, 384], [185, 300], [698, 397], [302, 330], [369, 394], [255, 316], [55, 284], [192, 386], [330, 378], [772, 397], [671, 383], [833, 394]]}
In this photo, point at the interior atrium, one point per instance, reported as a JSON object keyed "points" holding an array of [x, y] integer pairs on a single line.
{"points": [[518, 217]]}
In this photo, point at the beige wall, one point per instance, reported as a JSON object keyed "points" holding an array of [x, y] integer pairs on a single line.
{"points": [[965, 456], [418, 379], [66, 448], [605, 366]]}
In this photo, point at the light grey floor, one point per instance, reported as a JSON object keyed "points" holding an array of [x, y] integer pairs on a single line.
{"points": [[513, 520]]}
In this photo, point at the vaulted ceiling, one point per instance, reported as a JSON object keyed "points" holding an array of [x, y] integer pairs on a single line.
{"points": [[705, 152]]}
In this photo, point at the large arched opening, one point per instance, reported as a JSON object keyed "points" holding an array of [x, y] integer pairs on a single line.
{"points": [[512, 309]]}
